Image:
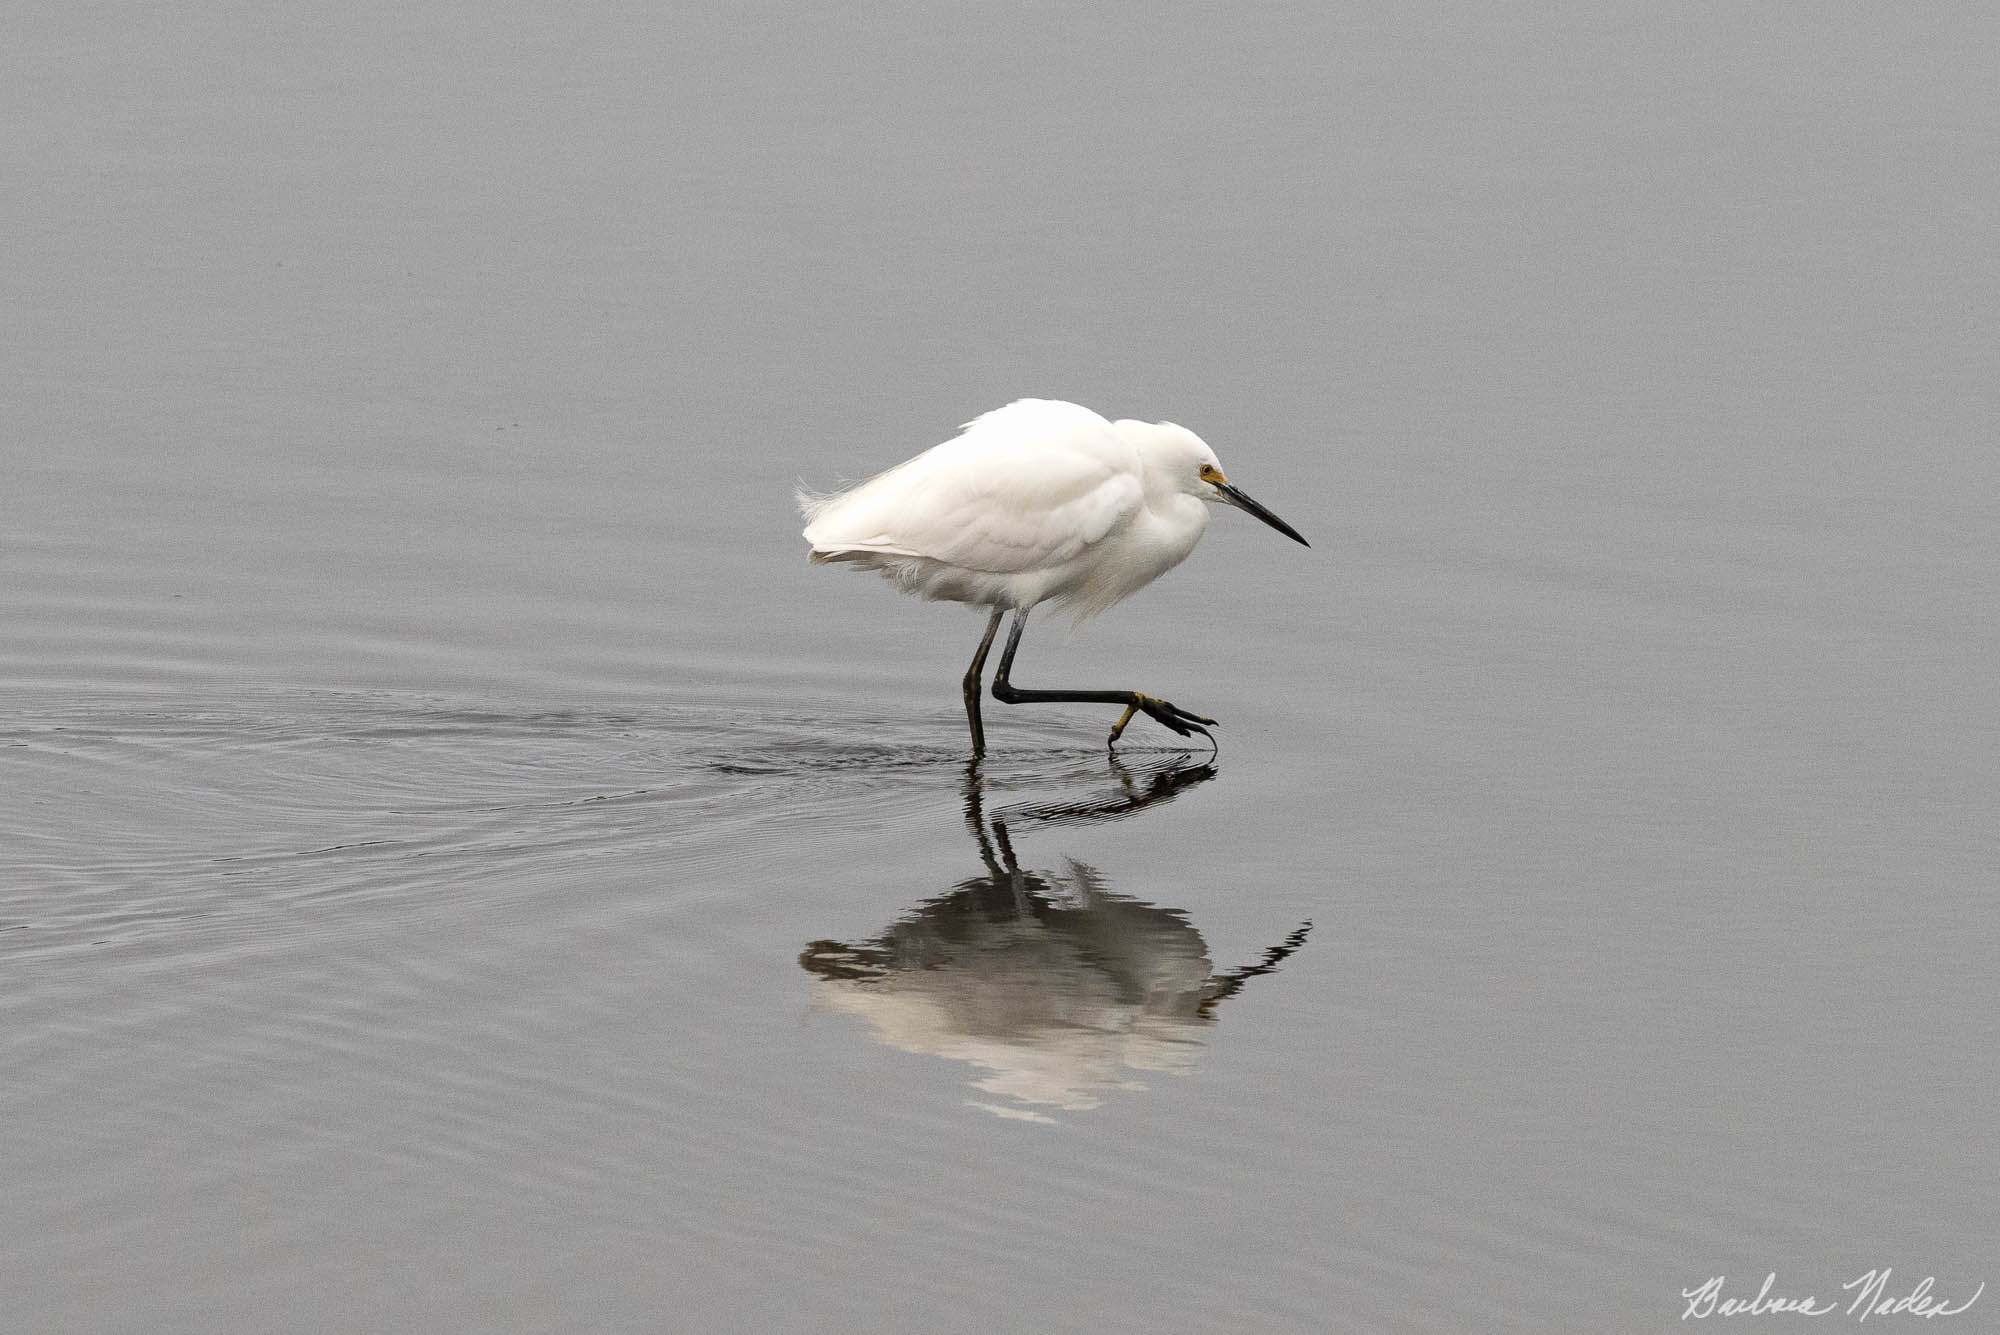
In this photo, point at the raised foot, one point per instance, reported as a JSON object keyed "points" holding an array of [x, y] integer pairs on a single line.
{"points": [[1164, 712]]}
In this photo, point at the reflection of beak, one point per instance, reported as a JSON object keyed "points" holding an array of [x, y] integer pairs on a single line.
{"points": [[1244, 503]]}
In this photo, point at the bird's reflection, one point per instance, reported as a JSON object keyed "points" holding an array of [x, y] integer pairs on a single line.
{"points": [[1055, 988]]}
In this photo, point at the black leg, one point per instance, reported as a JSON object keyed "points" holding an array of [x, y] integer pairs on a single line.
{"points": [[1170, 716], [972, 683]]}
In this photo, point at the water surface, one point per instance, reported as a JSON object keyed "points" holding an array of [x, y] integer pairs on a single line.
{"points": [[461, 870]]}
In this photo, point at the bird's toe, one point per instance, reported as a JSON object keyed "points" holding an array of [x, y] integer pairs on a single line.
{"points": [[1184, 722], [1167, 709]]}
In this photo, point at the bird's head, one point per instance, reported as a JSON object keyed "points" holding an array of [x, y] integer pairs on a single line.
{"points": [[1180, 462]]}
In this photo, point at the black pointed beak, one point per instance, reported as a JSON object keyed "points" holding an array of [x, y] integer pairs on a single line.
{"points": [[1242, 502]]}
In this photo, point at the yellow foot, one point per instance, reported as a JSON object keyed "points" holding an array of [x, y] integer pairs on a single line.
{"points": [[1168, 715], [1118, 728]]}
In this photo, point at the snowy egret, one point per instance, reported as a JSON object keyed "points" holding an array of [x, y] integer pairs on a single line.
{"points": [[1040, 501]]}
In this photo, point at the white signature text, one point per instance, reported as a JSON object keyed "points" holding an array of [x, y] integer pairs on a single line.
{"points": [[1871, 1297]]}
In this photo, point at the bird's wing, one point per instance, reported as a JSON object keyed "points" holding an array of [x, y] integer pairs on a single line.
{"points": [[1024, 487]]}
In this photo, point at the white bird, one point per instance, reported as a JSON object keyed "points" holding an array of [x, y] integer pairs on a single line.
{"points": [[1040, 501]]}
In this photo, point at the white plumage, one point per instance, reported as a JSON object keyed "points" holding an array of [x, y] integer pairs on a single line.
{"points": [[1037, 501]]}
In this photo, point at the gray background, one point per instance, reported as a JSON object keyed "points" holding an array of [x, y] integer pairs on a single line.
{"points": [[425, 753]]}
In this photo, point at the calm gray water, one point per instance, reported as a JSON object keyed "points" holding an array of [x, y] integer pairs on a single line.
{"points": [[460, 870]]}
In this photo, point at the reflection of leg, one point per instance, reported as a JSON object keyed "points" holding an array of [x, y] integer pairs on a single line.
{"points": [[1170, 716], [1017, 880], [1124, 777], [972, 684], [975, 815]]}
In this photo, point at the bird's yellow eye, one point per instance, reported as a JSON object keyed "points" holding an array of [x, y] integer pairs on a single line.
{"points": [[1210, 473]]}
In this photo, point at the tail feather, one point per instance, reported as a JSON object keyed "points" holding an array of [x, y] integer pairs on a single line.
{"points": [[813, 503]]}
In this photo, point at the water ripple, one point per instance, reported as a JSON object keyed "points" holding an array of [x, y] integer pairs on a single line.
{"points": [[138, 817]]}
